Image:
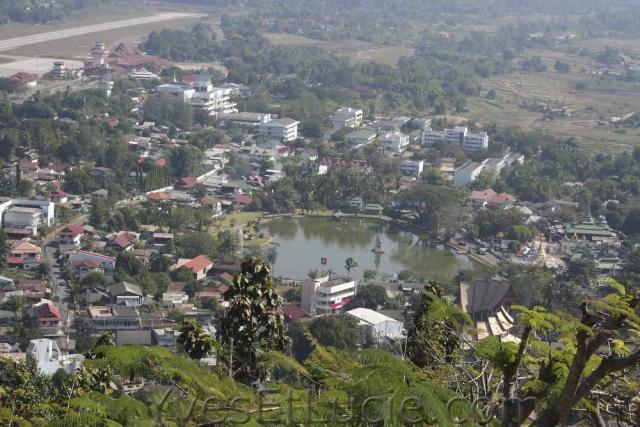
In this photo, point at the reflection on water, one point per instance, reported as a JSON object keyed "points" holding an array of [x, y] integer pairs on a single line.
{"points": [[302, 243]]}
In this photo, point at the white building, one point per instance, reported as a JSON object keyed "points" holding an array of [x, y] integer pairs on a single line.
{"points": [[143, 75], [475, 142], [411, 167], [394, 142], [326, 295], [214, 100], [347, 117], [455, 135], [284, 130], [467, 173], [245, 119], [49, 358], [23, 213], [377, 325], [185, 93], [360, 137], [430, 136], [107, 263]]}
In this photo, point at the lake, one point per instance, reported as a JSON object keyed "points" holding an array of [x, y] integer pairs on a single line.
{"points": [[301, 244]]}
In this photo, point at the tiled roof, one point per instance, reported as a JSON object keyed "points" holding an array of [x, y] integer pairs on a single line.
{"points": [[198, 263]]}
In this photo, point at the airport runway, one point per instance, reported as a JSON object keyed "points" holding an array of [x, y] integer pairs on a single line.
{"points": [[17, 42]]}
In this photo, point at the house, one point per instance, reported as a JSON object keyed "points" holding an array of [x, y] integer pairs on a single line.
{"points": [[212, 204], [487, 303], [377, 326], [143, 255], [174, 299], [157, 196], [115, 318], [124, 241], [467, 173], [25, 79], [241, 201], [49, 359], [293, 313], [86, 266], [346, 117], [48, 317], [185, 184], [161, 239], [70, 235], [490, 198], [325, 295], [360, 137], [283, 130], [199, 266], [394, 142], [58, 196], [82, 260], [125, 293], [25, 255], [165, 337], [411, 167], [134, 337], [28, 166]]}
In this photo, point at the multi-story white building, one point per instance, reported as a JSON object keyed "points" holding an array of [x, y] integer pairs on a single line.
{"points": [[214, 100], [245, 119], [430, 136], [411, 167], [455, 135], [185, 93], [29, 214], [347, 117], [467, 173], [49, 358], [394, 142], [284, 130], [475, 142], [325, 295]]}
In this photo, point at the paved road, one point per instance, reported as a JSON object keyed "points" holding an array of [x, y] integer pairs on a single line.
{"points": [[16, 42]]}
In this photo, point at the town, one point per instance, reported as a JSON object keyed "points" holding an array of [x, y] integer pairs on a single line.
{"points": [[223, 216]]}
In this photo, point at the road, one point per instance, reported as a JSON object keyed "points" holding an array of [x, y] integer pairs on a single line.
{"points": [[17, 42]]}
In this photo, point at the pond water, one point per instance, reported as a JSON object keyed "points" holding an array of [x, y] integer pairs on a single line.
{"points": [[302, 243]]}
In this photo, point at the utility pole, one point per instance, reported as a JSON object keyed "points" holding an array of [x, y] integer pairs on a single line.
{"points": [[231, 360]]}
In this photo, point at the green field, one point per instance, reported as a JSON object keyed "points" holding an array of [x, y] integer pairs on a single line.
{"points": [[358, 51]]}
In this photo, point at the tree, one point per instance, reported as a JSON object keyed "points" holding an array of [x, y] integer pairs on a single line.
{"points": [[562, 67], [253, 326], [194, 340], [590, 368], [371, 296], [583, 271], [99, 213], [521, 233], [5, 250], [127, 262], [349, 264], [435, 336], [338, 330]]}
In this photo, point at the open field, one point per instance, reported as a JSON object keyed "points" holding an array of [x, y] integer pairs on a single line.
{"points": [[356, 50], [591, 109]]}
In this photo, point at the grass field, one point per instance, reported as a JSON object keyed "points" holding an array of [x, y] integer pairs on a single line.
{"points": [[592, 109], [356, 50]]}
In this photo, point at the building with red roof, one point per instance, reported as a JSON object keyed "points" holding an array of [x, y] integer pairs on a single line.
{"points": [[70, 235], [490, 198], [48, 317], [293, 313], [124, 241], [25, 79], [199, 266], [58, 196], [185, 183], [157, 196]]}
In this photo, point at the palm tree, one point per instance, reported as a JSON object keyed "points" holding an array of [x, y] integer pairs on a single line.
{"points": [[349, 263]]}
